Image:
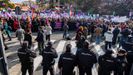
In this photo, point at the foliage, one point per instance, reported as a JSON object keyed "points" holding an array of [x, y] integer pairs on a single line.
{"points": [[7, 4]]}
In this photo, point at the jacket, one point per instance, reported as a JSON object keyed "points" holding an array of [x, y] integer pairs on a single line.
{"points": [[108, 36], [49, 54], [67, 62], [85, 58], [26, 55]]}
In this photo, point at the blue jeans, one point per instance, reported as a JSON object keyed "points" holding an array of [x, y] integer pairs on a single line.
{"points": [[65, 34], [98, 39]]}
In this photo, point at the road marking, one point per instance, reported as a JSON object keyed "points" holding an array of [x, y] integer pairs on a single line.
{"points": [[10, 53], [37, 62], [53, 41], [13, 40], [34, 48], [59, 50], [14, 44], [74, 48]]}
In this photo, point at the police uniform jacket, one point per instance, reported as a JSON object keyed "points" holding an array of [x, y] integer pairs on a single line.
{"points": [[49, 55], [26, 56], [85, 58], [67, 62]]}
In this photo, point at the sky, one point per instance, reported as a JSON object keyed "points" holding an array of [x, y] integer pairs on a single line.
{"points": [[19, 1]]}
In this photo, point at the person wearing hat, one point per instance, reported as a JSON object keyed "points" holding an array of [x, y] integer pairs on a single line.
{"points": [[85, 59], [121, 62], [49, 54], [26, 57], [67, 61], [107, 63]]}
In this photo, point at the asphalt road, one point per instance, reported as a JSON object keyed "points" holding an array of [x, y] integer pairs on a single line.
{"points": [[58, 43]]}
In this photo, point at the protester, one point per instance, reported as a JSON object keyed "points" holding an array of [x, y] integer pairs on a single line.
{"points": [[41, 39], [85, 30], [7, 29], [79, 33], [116, 32], [15, 24], [65, 29], [28, 37], [108, 39], [98, 33], [20, 35], [48, 31]]}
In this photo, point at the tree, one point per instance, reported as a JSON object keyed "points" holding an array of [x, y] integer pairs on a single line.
{"points": [[6, 4]]}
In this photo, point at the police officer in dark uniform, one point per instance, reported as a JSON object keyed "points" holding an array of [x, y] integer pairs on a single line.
{"points": [[85, 59], [26, 57], [130, 61], [121, 62], [67, 61], [107, 63], [49, 54]]}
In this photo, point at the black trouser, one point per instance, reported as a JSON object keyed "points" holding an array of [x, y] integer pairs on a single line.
{"points": [[26, 67], [83, 70], [103, 71], [41, 46], [48, 37], [114, 40], [46, 69], [108, 44], [128, 69], [120, 71]]}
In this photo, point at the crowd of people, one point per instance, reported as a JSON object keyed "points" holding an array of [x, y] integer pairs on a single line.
{"points": [[85, 58]]}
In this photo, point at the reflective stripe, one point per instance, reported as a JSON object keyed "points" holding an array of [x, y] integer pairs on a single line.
{"points": [[21, 52], [48, 52], [1, 58], [65, 58], [87, 54]]}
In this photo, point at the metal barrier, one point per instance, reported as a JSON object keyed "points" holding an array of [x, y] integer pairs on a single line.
{"points": [[3, 61]]}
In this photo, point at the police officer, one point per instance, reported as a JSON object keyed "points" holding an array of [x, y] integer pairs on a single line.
{"points": [[121, 62], [107, 63], [67, 61], [26, 57], [130, 61], [85, 59], [49, 54]]}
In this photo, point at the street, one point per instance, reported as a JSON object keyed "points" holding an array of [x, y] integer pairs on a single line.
{"points": [[58, 43]]}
